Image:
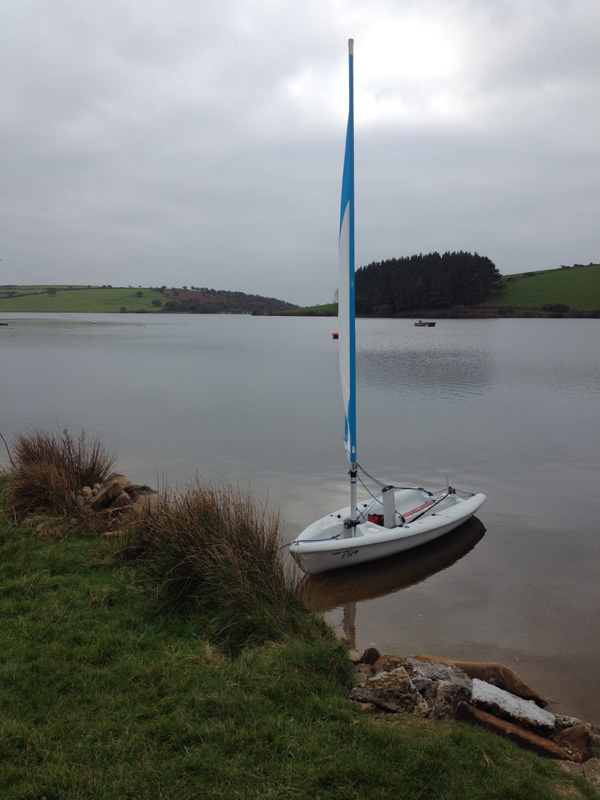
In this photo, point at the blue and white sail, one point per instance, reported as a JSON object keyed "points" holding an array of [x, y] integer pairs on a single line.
{"points": [[346, 314], [395, 519]]}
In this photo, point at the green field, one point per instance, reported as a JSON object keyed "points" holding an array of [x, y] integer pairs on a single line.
{"points": [[577, 287], [326, 310], [65, 299], [105, 695]]}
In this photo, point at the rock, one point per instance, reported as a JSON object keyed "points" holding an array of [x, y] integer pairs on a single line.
{"points": [[496, 674], [508, 706], [388, 663], [576, 741], [443, 697], [595, 741], [437, 671], [561, 722], [113, 488], [423, 674], [370, 655], [392, 691], [526, 739], [122, 501], [354, 656], [362, 673], [87, 493]]}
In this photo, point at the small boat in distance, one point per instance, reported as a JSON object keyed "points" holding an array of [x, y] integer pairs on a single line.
{"points": [[395, 519], [421, 324]]}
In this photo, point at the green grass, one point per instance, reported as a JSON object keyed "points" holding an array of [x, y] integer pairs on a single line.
{"points": [[81, 299], [105, 695], [325, 310], [577, 287]]}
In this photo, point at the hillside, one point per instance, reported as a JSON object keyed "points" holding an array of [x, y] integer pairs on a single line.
{"points": [[577, 288], [107, 299]]}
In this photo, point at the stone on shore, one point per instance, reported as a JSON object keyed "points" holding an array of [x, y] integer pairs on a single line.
{"points": [[392, 691], [496, 674], [441, 689], [505, 705], [114, 488], [525, 738]]}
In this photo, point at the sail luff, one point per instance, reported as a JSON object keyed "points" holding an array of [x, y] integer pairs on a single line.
{"points": [[346, 309]]}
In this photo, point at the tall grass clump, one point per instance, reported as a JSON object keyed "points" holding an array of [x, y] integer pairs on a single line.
{"points": [[48, 469], [212, 550]]}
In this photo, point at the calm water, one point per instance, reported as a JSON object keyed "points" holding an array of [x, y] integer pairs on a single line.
{"points": [[507, 407]]}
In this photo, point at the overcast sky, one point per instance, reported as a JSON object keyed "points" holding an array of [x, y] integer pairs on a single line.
{"points": [[200, 142]]}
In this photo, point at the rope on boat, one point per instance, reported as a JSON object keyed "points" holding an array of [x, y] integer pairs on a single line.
{"points": [[436, 502], [305, 541]]}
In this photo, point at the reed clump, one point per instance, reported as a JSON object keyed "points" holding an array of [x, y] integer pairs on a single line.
{"points": [[213, 550], [49, 469]]}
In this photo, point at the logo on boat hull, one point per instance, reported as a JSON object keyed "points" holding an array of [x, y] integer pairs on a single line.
{"points": [[345, 553]]}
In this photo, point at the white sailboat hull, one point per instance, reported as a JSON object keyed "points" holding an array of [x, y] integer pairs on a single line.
{"points": [[420, 517]]}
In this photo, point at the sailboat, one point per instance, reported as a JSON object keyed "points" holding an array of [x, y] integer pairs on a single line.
{"points": [[395, 519]]}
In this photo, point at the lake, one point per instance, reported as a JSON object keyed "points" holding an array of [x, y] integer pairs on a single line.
{"points": [[506, 407]]}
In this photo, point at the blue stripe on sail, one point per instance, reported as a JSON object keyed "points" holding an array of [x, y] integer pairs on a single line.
{"points": [[346, 310]]}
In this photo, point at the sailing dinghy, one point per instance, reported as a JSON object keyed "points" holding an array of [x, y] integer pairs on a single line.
{"points": [[395, 519]]}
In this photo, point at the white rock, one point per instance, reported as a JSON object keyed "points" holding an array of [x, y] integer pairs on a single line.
{"points": [[505, 704]]}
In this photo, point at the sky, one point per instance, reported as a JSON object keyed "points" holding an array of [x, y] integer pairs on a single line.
{"points": [[201, 142]]}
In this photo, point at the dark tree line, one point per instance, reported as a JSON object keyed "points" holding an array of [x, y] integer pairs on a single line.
{"points": [[424, 282]]}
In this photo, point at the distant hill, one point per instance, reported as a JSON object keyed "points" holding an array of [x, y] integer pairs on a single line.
{"points": [[566, 291], [109, 299]]}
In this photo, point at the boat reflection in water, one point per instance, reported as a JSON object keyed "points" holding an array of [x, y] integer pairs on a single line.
{"points": [[329, 590]]}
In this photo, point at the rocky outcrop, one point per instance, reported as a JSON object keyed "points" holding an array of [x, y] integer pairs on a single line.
{"points": [[437, 689]]}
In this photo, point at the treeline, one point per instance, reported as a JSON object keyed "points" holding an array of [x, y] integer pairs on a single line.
{"points": [[216, 301], [424, 282]]}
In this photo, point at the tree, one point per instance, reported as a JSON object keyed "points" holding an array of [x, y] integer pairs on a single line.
{"points": [[425, 281]]}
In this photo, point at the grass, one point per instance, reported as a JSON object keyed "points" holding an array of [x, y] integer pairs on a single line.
{"points": [[210, 550], [104, 696], [577, 287], [325, 310], [77, 299], [49, 469], [149, 667]]}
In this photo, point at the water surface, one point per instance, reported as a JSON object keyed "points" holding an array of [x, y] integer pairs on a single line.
{"points": [[506, 407]]}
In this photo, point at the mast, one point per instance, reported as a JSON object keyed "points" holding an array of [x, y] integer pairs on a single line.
{"points": [[346, 307]]}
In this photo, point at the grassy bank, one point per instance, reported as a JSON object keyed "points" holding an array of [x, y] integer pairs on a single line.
{"points": [[575, 287], [326, 310], [74, 299], [125, 672], [104, 696]]}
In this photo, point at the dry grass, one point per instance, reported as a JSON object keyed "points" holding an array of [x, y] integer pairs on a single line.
{"points": [[213, 549], [49, 469]]}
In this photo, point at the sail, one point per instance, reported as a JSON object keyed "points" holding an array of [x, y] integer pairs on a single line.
{"points": [[346, 278]]}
